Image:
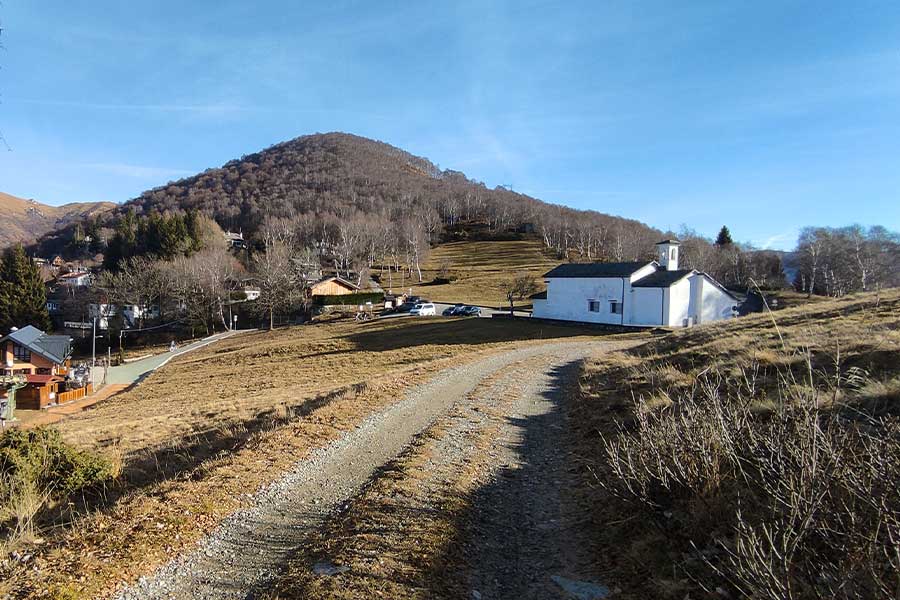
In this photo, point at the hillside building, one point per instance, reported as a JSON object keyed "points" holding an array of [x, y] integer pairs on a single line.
{"points": [[641, 294]]}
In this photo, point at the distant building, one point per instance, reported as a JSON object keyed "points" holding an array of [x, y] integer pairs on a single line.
{"points": [[235, 240], [654, 293], [132, 314], [75, 279], [332, 286]]}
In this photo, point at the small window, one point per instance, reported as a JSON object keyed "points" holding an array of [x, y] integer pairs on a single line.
{"points": [[594, 305], [615, 307], [21, 353], [44, 371]]}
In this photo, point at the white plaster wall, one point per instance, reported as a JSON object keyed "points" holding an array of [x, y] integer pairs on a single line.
{"points": [[646, 306], [715, 304], [679, 302], [647, 269], [567, 299]]}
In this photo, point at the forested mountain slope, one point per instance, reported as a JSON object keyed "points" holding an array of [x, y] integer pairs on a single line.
{"points": [[319, 181], [26, 220]]}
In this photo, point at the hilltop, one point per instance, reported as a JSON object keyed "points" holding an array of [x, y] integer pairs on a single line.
{"points": [[320, 181], [27, 220]]}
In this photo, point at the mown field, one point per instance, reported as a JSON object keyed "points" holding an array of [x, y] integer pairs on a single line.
{"points": [[753, 458], [163, 463], [481, 269]]}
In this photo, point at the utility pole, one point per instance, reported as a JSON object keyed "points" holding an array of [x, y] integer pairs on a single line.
{"points": [[94, 347]]}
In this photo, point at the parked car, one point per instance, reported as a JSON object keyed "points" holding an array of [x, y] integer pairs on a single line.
{"points": [[453, 310], [470, 311], [423, 310]]}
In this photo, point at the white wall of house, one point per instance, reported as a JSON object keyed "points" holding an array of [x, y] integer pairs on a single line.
{"points": [[646, 306], [679, 295], [713, 302], [647, 269], [568, 299]]}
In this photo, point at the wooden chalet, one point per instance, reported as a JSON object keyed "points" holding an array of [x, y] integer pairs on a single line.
{"points": [[44, 360]]}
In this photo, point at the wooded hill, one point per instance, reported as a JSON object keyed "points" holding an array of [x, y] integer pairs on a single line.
{"points": [[322, 179]]}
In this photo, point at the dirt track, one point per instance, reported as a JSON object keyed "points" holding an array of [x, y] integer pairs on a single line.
{"points": [[246, 554]]}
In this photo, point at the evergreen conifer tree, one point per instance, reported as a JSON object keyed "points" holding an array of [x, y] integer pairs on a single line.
{"points": [[23, 298], [724, 238]]}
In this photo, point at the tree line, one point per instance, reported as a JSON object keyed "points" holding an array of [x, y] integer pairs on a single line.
{"points": [[838, 261]]}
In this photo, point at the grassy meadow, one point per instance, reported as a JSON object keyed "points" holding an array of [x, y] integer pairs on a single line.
{"points": [[481, 270]]}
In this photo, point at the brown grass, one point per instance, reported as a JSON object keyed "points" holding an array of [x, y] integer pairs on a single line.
{"points": [[712, 433], [212, 425], [481, 269]]}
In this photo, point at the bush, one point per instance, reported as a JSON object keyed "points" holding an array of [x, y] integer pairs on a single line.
{"points": [[799, 502], [349, 299], [37, 468]]}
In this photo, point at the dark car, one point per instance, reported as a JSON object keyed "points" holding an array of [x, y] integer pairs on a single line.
{"points": [[470, 311], [453, 310]]}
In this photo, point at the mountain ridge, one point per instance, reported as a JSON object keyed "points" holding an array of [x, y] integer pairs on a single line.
{"points": [[26, 220]]}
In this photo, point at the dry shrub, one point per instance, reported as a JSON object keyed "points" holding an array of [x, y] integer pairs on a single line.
{"points": [[38, 469], [797, 502]]}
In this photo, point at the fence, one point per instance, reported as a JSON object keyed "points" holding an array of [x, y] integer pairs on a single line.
{"points": [[74, 394]]}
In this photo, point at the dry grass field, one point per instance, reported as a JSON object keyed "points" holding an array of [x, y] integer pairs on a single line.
{"points": [[196, 436], [256, 377], [757, 456], [481, 268]]}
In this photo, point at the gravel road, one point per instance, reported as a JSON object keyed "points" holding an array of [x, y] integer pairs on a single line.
{"points": [[246, 552]]}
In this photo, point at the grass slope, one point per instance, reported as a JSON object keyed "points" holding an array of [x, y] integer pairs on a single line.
{"points": [[762, 447], [198, 434], [24, 221], [481, 268]]}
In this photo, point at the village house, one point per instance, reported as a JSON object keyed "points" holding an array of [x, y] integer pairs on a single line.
{"points": [[235, 240], [646, 293], [44, 360], [333, 286], [132, 315], [75, 279]]}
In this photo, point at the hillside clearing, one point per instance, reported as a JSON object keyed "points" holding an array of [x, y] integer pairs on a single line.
{"points": [[481, 270]]}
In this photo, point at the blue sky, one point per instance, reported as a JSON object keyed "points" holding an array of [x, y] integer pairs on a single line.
{"points": [[765, 116]]}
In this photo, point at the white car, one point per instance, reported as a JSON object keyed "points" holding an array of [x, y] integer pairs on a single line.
{"points": [[423, 310]]}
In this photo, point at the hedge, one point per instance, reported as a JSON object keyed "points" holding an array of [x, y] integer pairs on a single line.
{"points": [[349, 299]]}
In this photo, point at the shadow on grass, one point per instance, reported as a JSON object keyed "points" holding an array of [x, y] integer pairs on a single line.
{"points": [[185, 456], [411, 332]]}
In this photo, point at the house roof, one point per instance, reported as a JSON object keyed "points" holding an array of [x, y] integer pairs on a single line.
{"points": [[54, 347], [74, 275], [339, 280], [672, 242], [662, 279], [43, 379], [618, 269]]}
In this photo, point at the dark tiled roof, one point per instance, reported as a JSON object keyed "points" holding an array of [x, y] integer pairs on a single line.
{"points": [[673, 241], [538, 296], [620, 269], [55, 347], [662, 278]]}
